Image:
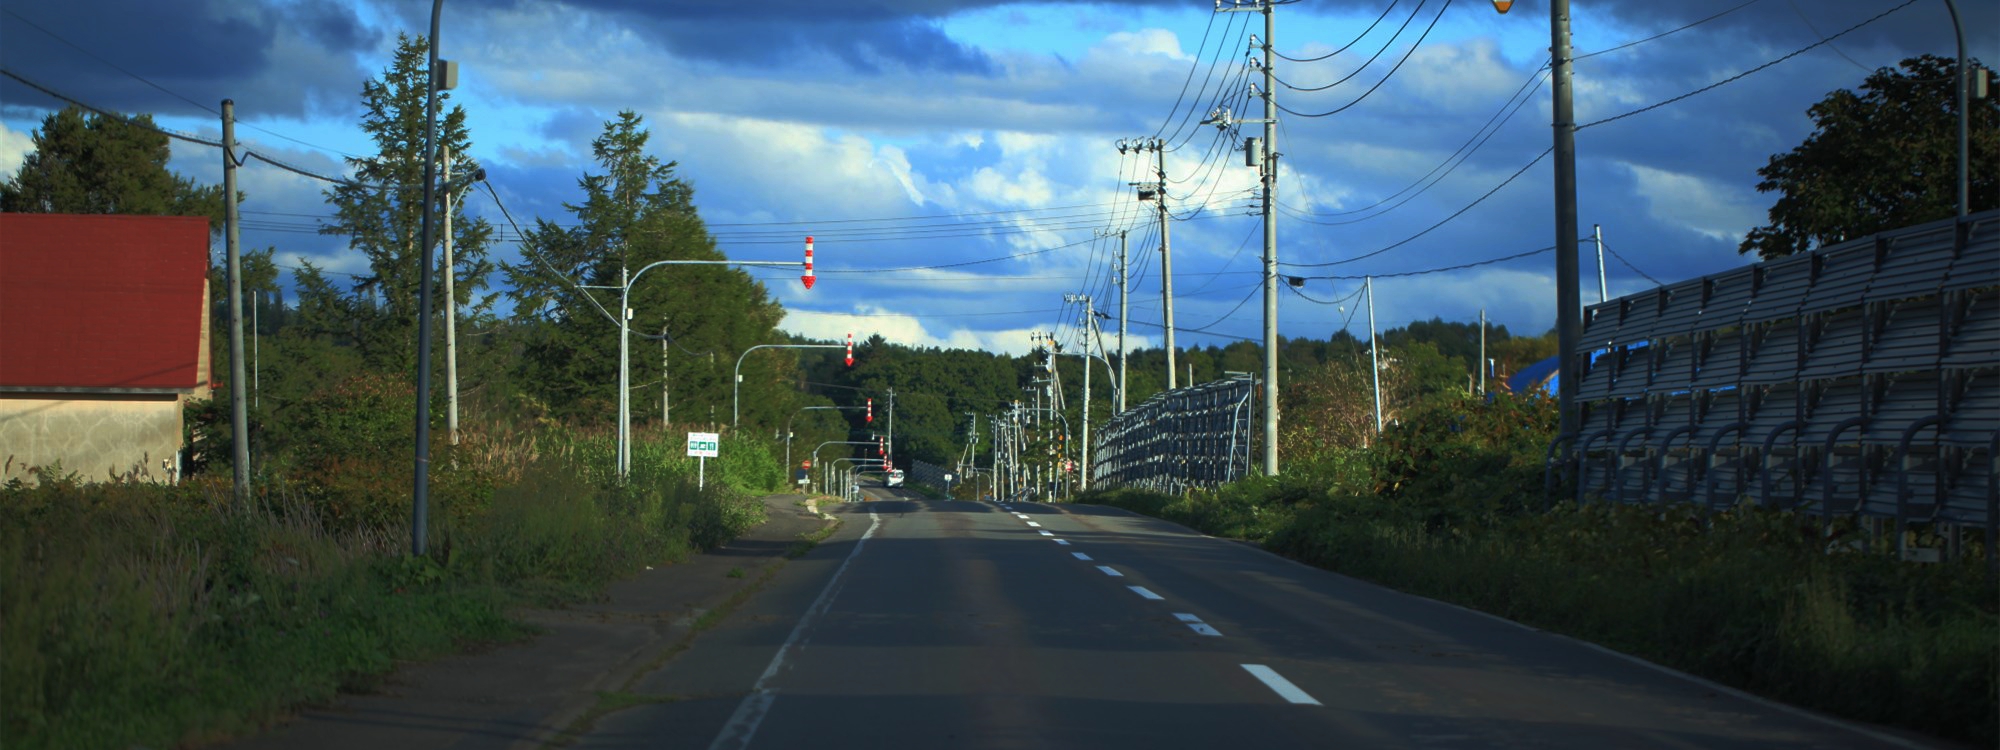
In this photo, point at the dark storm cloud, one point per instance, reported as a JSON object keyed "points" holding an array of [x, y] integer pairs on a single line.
{"points": [[868, 37], [202, 51]]}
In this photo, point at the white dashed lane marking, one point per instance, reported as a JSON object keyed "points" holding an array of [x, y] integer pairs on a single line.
{"points": [[1278, 684], [1145, 593], [1036, 525], [1110, 572], [1195, 624], [1046, 532], [1080, 556], [1063, 542]]}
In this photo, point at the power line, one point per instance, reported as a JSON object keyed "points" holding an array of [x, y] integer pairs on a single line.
{"points": [[1357, 39], [1471, 146], [162, 89], [1744, 74], [1392, 71], [1459, 267], [1371, 58], [1441, 222], [1665, 33]]}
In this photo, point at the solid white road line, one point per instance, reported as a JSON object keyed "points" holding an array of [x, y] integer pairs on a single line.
{"points": [[1144, 593], [1278, 684], [742, 725], [1108, 571], [1080, 556]]}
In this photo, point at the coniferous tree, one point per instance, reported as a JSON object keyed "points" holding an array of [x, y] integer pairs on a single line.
{"points": [[381, 212]]}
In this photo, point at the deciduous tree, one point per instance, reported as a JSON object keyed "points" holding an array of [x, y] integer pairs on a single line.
{"points": [[1879, 158]]}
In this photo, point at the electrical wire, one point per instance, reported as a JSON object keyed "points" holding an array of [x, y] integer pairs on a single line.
{"points": [[1459, 267], [1637, 42], [1371, 58], [175, 94], [1385, 79], [1500, 118], [1747, 73], [1441, 222], [1357, 39]]}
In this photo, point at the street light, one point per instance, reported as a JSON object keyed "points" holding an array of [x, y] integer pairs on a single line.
{"points": [[420, 494], [736, 388], [624, 336]]}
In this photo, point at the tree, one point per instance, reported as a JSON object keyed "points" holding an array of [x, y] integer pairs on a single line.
{"points": [[638, 212], [381, 212], [1878, 159], [93, 164]]}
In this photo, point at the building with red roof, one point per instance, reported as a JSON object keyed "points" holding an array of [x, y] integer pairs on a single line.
{"points": [[103, 339]]}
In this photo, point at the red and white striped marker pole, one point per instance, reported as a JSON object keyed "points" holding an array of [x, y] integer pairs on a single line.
{"points": [[808, 278]]}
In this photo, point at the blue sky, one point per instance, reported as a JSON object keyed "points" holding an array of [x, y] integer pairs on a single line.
{"points": [[908, 133]]}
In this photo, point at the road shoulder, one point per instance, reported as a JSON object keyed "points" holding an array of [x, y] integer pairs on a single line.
{"points": [[527, 694]]}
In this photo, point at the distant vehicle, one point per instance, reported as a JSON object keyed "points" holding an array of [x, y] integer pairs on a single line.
{"points": [[895, 478]]}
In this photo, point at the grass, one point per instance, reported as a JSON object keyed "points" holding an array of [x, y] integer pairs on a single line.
{"points": [[147, 615]]}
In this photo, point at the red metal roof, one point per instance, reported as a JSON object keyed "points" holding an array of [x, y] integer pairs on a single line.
{"points": [[102, 302]]}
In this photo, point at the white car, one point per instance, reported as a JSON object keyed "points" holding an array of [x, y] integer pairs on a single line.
{"points": [[895, 478]]}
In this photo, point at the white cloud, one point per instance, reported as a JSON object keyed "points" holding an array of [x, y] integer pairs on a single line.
{"points": [[14, 149], [1715, 210]]}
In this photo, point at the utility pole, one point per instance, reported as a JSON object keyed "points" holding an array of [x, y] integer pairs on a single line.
{"points": [[1597, 238], [1374, 359], [450, 308], [1122, 280], [1166, 261], [1482, 351], [1569, 302], [667, 383], [667, 387], [1157, 192], [1089, 318], [1264, 157], [1569, 305], [892, 430], [239, 419]]}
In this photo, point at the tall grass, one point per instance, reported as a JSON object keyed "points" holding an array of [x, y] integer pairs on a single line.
{"points": [[1449, 505], [136, 614]]}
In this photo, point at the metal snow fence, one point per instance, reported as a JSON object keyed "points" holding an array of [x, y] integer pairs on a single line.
{"points": [[1187, 438], [1861, 379]]}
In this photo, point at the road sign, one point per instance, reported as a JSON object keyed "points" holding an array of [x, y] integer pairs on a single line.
{"points": [[704, 444], [806, 464]]}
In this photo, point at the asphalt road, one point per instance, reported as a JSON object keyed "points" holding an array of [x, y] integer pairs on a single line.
{"points": [[932, 624]]}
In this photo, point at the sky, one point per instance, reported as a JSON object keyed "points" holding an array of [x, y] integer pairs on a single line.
{"points": [[958, 161]]}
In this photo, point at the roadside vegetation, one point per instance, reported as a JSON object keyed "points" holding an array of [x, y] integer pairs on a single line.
{"points": [[1449, 504], [158, 616]]}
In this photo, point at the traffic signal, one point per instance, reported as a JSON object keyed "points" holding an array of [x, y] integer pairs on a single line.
{"points": [[850, 348], [871, 410]]}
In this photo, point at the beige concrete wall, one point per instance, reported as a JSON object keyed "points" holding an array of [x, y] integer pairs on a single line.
{"points": [[98, 438]]}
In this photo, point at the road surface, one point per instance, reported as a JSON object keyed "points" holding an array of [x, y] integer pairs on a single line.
{"points": [[933, 624]]}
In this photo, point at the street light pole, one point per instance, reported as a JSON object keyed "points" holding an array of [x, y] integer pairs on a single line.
{"points": [[420, 494]]}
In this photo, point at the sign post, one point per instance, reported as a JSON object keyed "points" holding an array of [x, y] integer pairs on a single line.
{"points": [[703, 446]]}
